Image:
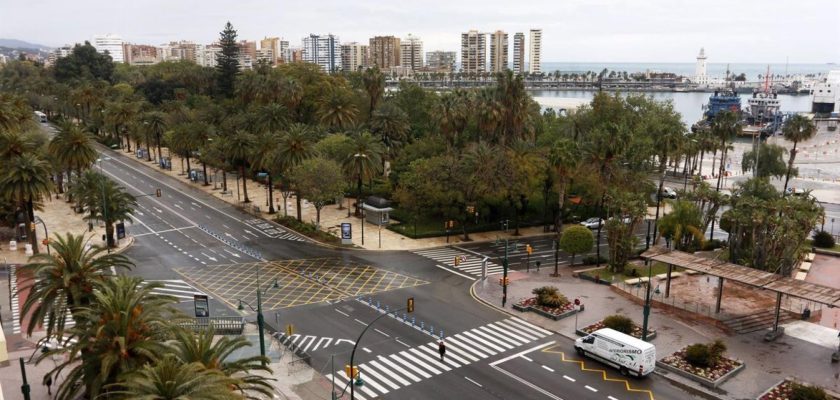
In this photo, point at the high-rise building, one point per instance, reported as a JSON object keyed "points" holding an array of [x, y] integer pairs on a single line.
{"points": [[519, 53], [183, 50], [385, 52], [411, 53], [324, 50], [60, 52], [270, 44], [266, 56], [473, 52], [441, 60], [354, 56], [208, 54], [141, 54], [534, 56], [112, 44], [498, 51], [296, 54], [247, 54]]}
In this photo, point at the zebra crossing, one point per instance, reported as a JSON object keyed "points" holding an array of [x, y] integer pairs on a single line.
{"points": [[309, 343], [176, 288], [384, 374], [472, 265], [15, 301], [273, 231]]}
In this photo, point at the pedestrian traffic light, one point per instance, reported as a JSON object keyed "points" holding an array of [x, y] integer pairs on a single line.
{"points": [[457, 261], [157, 192], [577, 302], [504, 281], [529, 249], [352, 373], [409, 307]]}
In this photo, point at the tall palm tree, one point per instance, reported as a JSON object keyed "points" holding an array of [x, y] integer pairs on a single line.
{"points": [[239, 148], [155, 124], [215, 355], [336, 109], [62, 282], [682, 225], [15, 113], [374, 82], [797, 128], [391, 124], [725, 128], [119, 114], [105, 201], [273, 117], [14, 143], [489, 114], [26, 179], [171, 379], [363, 161], [264, 158], [514, 101], [452, 111], [73, 148], [123, 329], [564, 156], [296, 144]]}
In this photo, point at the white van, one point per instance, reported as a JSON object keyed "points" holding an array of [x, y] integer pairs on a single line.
{"points": [[630, 355]]}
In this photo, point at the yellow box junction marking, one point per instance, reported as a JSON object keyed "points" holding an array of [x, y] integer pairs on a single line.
{"points": [[602, 371]]}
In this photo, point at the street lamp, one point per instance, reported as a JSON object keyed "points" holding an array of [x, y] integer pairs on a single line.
{"points": [[260, 319], [359, 196], [104, 204], [646, 309]]}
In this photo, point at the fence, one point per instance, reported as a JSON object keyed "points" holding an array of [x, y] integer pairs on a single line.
{"points": [[220, 325], [300, 358]]}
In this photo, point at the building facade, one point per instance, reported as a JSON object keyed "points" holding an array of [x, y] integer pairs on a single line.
{"points": [[700, 76], [498, 51], [112, 44], [385, 52], [473, 52], [141, 54], [411, 53], [354, 57], [296, 54], [518, 53], [534, 52], [323, 50], [247, 54], [441, 60]]}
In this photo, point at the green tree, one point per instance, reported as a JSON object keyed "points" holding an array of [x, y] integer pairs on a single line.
{"points": [[682, 226], [73, 149], [227, 61], [391, 124], [564, 156], [265, 159], [154, 123], [363, 162], [239, 149], [318, 180], [797, 128], [336, 109], [84, 63], [26, 180], [105, 201], [374, 83], [770, 162], [170, 379], [576, 240], [63, 282], [296, 145]]}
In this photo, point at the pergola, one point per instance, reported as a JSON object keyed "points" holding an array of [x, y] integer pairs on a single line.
{"points": [[760, 279]]}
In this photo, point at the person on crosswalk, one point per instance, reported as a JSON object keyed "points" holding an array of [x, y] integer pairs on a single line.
{"points": [[441, 349]]}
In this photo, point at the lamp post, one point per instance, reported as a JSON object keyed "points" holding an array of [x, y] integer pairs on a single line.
{"points": [[104, 199], [260, 319], [505, 275], [646, 310]]}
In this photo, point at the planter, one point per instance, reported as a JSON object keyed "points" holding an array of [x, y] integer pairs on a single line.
{"points": [[636, 333], [592, 279], [708, 377], [782, 389], [530, 304]]}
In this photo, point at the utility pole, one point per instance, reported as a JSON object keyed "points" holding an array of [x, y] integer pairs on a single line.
{"points": [[646, 311]]}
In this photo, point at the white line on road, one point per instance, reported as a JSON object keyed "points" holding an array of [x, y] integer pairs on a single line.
{"points": [[454, 272], [547, 369], [361, 322], [179, 207], [474, 382], [250, 233], [569, 378], [526, 358], [366, 349], [591, 388], [526, 383], [611, 398], [520, 354], [342, 312], [383, 333], [193, 203], [400, 342]]}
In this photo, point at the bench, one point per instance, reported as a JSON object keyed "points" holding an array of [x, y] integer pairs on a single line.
{"points": [[674, 274], [805, 266], [800, 276], [636, 281], [810, 257]]}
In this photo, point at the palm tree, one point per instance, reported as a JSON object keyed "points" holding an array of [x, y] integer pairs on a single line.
{"points": [[682, 225], [336, 109], [215, 355], [374, 82], [797, 128], [239, 148], [296, 144], [725, 128], [73, 149], [15, 113], [452, 112], [62, 282], [391, 124], [155, 123], [564, 157], [170, 379], [363, 161], [119, 114], [26, 179], [272, 117], [264, 158], [489, 113], [14, 143], [105, 201], [123, 329]]}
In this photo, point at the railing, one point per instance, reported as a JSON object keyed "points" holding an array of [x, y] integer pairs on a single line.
{"points": [[220, 325]]}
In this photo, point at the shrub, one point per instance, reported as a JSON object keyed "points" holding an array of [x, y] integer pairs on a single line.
{"points": [[547, 296], [805, 392], [712, 244], [824, 240], [589, 260], [619, 323], [704, 355]]}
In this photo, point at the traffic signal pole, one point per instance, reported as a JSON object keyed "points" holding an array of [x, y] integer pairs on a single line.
{"points": [[505, 275]]}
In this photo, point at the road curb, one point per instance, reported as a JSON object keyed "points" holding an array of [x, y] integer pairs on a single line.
{"points": [[689, 388], [126, 247]]}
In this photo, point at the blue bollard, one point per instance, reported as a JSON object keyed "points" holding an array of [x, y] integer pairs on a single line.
{"points": [[413, 321], [441, 334], [386, 309], [405, 317], [377, 304], [431, 330], [422, 325]]}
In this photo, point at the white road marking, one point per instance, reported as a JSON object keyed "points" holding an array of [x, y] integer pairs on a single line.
{"points": [[250, 233], [361, 322], [547, 369], [232, 253], [400, 342], [526, 358], [454, 272], [179, 207], [611, 398], [342, 312], [158, 209], [366, 349], [474, 382], [591, 388], [520, 354], [569, 378], [383, 333]]}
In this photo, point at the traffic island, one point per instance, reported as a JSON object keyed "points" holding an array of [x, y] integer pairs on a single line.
{"points": [[619, 323], [548, 303], [791, 389], [703, 363]]}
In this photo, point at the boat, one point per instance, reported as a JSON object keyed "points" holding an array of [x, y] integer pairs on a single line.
{"points": [[722, 100], [763, 115], [825, 99]]}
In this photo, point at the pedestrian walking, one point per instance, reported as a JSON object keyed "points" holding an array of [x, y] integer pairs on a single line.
{"points": [[441, 350], [48, 382]]}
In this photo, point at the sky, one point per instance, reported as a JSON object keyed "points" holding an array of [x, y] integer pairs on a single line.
{"points": [[736, 31]]}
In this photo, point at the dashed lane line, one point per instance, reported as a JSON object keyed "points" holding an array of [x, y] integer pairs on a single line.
{"points": [[602, 371]]}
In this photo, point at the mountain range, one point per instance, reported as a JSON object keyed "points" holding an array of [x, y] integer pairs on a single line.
{"points": [[20, 44]]}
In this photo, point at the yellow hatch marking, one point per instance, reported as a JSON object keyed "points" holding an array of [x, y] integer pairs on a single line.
{"points": [[603, 372]]}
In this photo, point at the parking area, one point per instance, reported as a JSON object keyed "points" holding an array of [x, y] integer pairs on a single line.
{"points": [[290, 283]]}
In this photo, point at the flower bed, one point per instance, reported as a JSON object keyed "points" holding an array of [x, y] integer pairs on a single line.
{"points": [[783, 390], [555, 313], [710, 377], [636, 332]]}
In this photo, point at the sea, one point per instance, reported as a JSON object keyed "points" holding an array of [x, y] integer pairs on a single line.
{"points": [[751, 70]]}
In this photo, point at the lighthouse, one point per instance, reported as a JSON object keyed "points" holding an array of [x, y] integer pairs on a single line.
{"points": [[700, 71]]}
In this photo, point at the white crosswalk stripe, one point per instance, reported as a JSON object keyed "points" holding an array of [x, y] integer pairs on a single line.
{"points": [[385, 374], [472, 266], [176, 288], [274, 231]]}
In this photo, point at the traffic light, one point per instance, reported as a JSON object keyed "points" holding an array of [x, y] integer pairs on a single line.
{"points": [[409, 307], [457, 261], [290, 330], [529, 249], [352, 373], [157, 192], [504, 281]]}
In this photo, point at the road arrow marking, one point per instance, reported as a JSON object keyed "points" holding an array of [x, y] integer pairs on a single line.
{"points": [[210, 258], [232, 253]]}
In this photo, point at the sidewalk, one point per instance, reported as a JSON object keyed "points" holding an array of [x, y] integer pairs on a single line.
{"points": [[766, 363], [332, 216]]}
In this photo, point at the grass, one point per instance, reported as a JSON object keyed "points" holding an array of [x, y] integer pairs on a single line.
{"points": [[810, 243], [605, 274]]}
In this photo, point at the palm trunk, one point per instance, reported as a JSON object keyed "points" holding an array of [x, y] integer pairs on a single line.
{"points": [[109, 233], [790, 166], [224, 181], [271, 198], [244, 184], [30, 228], [157, 139], [188, 165], [148, 148], [204, 169], [298, 206], [359, 196], [317, 217]]}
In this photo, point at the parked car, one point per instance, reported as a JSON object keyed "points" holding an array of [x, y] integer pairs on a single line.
{"points": [[592, 223], [668, 193], [629, 355], [624, 220], [795, 191]]}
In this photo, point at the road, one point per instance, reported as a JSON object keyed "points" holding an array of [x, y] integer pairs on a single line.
{"points": [[193, 243]]}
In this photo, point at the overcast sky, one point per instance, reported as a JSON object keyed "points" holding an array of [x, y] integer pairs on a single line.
{"points": [[737, 31]]}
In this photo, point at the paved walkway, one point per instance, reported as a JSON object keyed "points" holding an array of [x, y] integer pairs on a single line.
{"points": [[767, 363]]}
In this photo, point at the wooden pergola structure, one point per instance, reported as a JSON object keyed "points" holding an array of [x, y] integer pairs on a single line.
{"points": [[752, 277]]}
